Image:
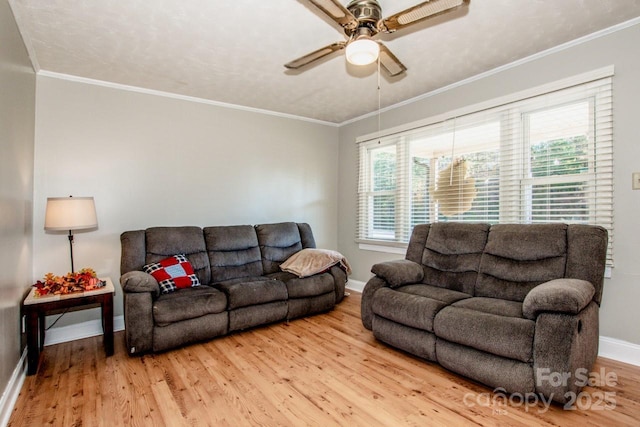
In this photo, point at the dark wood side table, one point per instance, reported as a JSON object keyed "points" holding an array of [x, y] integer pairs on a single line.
{"points": [[36, 308]]}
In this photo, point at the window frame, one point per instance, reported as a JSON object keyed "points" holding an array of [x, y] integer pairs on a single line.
{"points": [[516, 111]]}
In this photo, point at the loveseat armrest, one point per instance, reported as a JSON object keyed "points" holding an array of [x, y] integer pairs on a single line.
{"points": [[568, 296], [138, 282], [399, 272]]}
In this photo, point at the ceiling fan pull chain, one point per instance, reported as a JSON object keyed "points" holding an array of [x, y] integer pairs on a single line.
{"points": [[379, 97], [453, 146]]}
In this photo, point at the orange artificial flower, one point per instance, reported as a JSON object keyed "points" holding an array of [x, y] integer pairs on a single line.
{"points": [[83, 280]]}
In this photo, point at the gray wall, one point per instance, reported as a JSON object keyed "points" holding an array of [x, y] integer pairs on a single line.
{"points": [[150, 161], [17, 113], [619, 318]]}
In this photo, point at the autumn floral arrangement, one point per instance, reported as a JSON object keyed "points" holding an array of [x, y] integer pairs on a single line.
{"points": [[81, 281]]}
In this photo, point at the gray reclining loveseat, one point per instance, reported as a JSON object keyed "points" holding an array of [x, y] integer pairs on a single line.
{"points": [[512, 306], [241, 284]]}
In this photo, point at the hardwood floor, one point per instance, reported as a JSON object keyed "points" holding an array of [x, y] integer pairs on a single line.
{"points": [[323, 370]]}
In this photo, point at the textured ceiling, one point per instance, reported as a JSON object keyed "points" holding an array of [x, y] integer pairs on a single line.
{"points": [[233, 51]]}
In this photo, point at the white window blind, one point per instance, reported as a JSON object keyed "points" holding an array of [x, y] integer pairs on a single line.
{"points": [[540, 159]]}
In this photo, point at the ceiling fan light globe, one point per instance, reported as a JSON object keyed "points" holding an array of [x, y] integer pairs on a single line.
{"points": [[363, 51]]}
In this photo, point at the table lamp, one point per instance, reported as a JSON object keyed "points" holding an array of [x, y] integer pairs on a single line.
{"points": [[70, 213]]}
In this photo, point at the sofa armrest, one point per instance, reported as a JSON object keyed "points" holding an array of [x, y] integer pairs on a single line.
{"points": [[139, 281], [568, 296], [399, 272]]}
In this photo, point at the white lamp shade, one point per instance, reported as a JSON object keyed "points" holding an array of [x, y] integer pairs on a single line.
{"points": [[70, 213], [362, 51]]}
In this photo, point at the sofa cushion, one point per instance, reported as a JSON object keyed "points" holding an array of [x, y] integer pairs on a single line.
{"points": [[252, 291], [299, 307], [233, 252], [277, 243], [163, 242], [306, 235], [405, 308], [173, 273], [517, 258], [486, 324], [260, 314], [310, 286], [187, 304]]}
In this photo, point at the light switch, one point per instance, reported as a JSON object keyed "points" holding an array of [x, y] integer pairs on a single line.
{"points": [[636, 180]]}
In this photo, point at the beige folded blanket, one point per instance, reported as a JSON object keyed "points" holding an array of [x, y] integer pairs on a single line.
{"points": [[308, 262]]}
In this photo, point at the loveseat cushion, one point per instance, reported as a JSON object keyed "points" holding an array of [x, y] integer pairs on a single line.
{"points": [[188, 303], [488, 324], [517, 258], [312, 286], [447, 296], [252, 291], [410, 309], [452, 253]]}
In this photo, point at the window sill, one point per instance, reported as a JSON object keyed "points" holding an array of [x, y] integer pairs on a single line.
{"points": [[381, 247]]}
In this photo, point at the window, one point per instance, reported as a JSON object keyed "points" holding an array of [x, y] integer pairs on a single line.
{"points": [[535, 159]]}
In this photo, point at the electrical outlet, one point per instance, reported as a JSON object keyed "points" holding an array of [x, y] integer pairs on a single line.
{"points": [[635, 181]]}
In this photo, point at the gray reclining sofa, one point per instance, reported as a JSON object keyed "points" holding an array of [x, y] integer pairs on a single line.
{"points": [[512, 306], [241, 287]]}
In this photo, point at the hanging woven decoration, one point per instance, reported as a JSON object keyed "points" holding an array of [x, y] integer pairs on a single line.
{"points": [[455, 191]]}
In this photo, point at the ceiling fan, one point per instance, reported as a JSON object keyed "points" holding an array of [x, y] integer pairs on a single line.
{"points": [[361, 20]]}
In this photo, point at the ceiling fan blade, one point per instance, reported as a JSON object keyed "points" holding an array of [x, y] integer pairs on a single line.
{"points": [[419, 12], [336, 11], [315, 55], [389, 62]]}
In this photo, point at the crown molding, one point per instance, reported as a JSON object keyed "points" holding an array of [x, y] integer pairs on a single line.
{"points": [[129, 88], [534, 57]]}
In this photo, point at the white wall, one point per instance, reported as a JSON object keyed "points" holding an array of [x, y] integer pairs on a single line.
{"points": [[619, 313], [17, 114], [152, 161]]}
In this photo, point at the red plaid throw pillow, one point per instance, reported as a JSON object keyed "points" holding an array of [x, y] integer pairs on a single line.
{"points": [[173, 273]]}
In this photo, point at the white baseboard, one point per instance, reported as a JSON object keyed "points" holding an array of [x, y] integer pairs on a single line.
{"points": [[619, 350], [355, 285], [11, 392], [79, 331]]}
